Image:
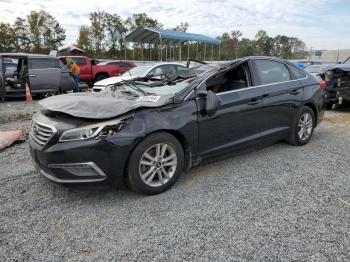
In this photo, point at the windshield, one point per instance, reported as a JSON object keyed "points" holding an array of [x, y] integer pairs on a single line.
{"points": [[137, 71], [140, 89]]}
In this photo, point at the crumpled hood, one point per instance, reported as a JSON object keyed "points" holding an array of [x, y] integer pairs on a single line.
{"points": [[102, 105]]}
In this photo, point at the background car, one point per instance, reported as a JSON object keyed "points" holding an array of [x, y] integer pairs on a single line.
{"points": [[46, 75], [123, 65], [157, 70], [91, 71]]}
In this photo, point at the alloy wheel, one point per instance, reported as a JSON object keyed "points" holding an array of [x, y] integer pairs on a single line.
{"points": [[305, 126], [158, 164]]}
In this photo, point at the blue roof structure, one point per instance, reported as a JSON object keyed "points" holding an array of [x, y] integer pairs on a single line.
{"points": [[156, 36]]}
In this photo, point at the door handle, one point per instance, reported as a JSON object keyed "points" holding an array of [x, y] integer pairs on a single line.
{"points": [[295, 92], [31, 75], [254, 102]]}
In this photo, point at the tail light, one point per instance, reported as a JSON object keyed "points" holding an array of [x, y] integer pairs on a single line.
{"points": [[323, 85]]}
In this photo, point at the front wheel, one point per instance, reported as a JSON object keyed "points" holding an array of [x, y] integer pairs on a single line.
{"points": [[155, 164], [100, 77], [303, 127]]}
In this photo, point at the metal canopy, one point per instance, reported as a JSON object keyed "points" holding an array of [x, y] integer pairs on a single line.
{"points": [[157, 36]]}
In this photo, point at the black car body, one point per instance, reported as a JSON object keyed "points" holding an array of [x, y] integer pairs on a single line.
{"points": [[102, 137]]}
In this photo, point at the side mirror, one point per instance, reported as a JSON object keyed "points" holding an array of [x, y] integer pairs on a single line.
{"points": [[212, 102]]}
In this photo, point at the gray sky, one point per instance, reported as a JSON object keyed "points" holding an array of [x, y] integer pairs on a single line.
{"points": [[321, 24]]}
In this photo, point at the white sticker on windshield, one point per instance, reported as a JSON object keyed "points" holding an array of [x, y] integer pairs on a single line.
{"points": [[148, 99]]}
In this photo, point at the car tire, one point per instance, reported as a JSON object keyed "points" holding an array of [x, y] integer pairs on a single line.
{"points": [[100, 77], [48, 94], [155, 164], [302, 127]]}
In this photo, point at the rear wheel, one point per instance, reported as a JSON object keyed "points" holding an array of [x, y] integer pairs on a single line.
{"points": [[303, 127], [155, 164]]}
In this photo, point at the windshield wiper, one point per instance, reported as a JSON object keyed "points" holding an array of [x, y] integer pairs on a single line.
{"points": [[133, 86]]}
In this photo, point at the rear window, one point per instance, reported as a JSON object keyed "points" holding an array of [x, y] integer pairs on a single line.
{"points": [[42, 63]]}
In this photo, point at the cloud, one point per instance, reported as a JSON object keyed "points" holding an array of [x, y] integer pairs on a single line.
{"points": [[314, 21]]}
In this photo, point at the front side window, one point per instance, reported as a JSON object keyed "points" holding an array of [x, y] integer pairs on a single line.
{"points": [[237, 78], [42, 63], [271, 72], [297, 73]]}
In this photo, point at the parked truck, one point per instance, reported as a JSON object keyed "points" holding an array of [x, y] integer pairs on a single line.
{"points": [[90, 71]]}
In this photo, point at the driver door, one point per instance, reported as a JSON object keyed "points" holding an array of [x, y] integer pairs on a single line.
{"points": [[238, 117]]}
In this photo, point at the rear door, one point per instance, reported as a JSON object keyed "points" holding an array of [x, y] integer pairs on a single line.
{"points": [[44, 74], [281, 95]]}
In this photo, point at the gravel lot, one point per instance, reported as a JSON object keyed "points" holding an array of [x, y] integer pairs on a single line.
{"points": [[277, 203]]}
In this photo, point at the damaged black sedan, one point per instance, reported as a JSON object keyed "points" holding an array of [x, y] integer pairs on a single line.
{"points": [[146, 134]]}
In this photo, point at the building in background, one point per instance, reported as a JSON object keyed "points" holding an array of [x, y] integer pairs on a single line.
{"points": [[329, 56]]}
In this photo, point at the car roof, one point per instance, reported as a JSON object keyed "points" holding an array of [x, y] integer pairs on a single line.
{"points": [[165, 63], [18, 55]]}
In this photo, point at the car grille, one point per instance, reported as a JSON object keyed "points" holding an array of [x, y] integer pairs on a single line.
{"points": [[40, 134]]}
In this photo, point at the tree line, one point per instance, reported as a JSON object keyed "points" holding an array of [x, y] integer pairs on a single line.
{"points": [[39, 32]]}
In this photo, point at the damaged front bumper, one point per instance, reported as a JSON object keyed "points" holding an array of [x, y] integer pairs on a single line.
{"points": [[81, 162]]}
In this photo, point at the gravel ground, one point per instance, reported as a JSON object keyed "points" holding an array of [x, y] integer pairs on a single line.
{"points": [[277, 203]]}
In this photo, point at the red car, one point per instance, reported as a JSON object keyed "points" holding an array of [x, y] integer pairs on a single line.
{"points": [[124, 65], [91, 71]]}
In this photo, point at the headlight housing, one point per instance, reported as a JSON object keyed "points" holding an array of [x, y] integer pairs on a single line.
{"points": [[97, 131]]}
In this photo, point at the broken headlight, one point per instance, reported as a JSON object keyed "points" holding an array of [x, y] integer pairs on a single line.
{"points": [[97, 131]]}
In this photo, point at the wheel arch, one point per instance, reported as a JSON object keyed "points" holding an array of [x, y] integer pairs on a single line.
{"points": [[179, 136], [313, 108]]}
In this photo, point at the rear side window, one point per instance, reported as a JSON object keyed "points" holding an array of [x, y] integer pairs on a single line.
{"points": [[272, 72], [79, 61], [296, 73], [42, 63]]}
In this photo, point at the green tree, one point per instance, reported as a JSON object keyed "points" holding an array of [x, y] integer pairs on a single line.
{"points": [[182, 27], [264, 43], [115, 32], [22, 43], [235, 35], [98, 26], [141, 20], [45, 32], [84, 39], [7, 38]]}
